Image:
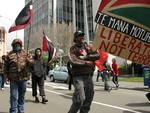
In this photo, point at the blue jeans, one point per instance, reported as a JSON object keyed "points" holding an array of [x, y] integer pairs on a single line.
{"points": [[17, 96], [105, 78], [1, 81]]}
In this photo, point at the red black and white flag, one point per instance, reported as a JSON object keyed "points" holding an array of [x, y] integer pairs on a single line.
{"points": [[23, 19], [48, 46]]}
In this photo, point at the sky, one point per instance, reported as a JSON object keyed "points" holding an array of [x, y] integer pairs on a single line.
{"points": [[9, 10]]}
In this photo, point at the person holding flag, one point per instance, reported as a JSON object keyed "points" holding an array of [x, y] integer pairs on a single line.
{"points": [[16, 69], [17, 62], [104, 69], [106, 75]]}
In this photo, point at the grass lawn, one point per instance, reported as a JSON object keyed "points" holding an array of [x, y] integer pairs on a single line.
{"points": [[130, 79]]}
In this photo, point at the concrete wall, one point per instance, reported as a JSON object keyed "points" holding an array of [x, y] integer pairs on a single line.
{"points": [[3, 41]]}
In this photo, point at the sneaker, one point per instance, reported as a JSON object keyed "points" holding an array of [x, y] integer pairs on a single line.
{"points": [[7, 82], [37, 99], [117, 86], [44, 100], [2, 89], [110, 88]]}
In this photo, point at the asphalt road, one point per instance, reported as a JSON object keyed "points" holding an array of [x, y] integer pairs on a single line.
{"points": [[59, 100]]}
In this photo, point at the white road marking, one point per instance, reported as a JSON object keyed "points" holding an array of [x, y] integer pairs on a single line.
{"points": [[116, 107], [94, 102], [56, 86]]}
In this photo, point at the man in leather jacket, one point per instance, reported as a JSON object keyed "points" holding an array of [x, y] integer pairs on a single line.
{"points": [[82, 57]]}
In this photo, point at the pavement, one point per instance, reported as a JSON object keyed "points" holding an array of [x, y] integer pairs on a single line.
{"points": [[125, 85], [4, 95]]}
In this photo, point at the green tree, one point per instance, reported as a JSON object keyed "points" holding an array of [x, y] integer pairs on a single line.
{"points": [[61, 36]]}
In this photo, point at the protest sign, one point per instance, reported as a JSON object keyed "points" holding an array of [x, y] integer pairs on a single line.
{"points": [[124, 29]]}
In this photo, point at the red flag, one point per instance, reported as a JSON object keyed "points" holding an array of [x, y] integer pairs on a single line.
{"points": [[23, 19], [48, 46], [103, 57]]}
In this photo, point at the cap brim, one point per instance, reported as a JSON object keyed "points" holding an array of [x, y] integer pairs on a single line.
{"points": [[81, 34]]}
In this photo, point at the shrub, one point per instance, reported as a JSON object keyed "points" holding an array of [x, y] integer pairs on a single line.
{"points": [[122, 70]]}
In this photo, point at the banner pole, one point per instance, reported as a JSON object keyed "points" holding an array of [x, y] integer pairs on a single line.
{"points": [[95, 29]]}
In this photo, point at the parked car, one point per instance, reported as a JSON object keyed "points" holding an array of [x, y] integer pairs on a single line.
{"points": [[58, 73]]}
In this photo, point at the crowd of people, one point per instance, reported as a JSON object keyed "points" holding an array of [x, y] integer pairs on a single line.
{"points": [[17, 66]]}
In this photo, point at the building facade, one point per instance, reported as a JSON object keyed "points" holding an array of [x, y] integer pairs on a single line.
{"points": [[80, 13], [3, 42]]}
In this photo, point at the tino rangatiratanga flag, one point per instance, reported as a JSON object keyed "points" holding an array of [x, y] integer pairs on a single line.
{"points": [[48, 46], [23, 19]]}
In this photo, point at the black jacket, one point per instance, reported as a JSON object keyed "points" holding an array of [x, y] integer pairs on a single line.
{"points": [[38, 69], [78, 65]]}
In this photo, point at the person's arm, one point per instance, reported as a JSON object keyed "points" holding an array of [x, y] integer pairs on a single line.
{"points": [[93, 56], [76, 60], [29, 59]]}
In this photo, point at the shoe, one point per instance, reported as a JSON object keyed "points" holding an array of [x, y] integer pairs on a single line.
{"points": [[117, 86], [2, 89], [148, 96], [37, 99], [44, 100], [110, 88]]}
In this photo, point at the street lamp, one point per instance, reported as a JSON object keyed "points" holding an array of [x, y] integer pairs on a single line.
{"points": [[7, 22], [10, 20]]}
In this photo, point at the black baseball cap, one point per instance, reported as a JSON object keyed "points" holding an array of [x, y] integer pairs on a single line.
{"points": [[78, 33]]}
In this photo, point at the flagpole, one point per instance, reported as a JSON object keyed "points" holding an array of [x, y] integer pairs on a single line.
{"points": [[29, 38], [43, 33]]}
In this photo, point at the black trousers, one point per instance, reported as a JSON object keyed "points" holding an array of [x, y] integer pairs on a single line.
{"points": [[115, 80], [40, 82]]}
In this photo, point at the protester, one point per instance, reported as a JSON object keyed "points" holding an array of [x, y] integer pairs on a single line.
{"points": [[38, 70], [106, 75], [16, 69], [115, 72], [2, 78], [82, 57]]}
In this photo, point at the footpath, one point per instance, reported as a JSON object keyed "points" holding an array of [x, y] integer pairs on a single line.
{"points": [[126, 85], [4, 96]]}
